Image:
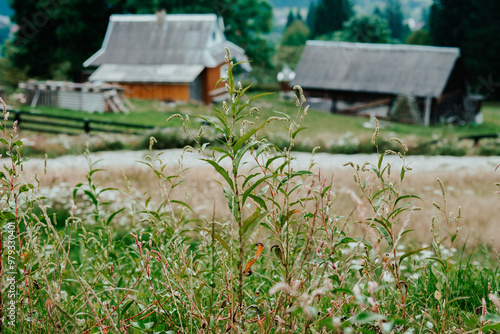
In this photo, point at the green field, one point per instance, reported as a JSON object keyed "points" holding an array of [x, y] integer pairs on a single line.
{"points": [[332, 133]]}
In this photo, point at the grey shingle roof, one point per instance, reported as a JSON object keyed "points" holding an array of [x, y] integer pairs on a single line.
{"points": [[184, 39], [147, 73], [379, 68]]}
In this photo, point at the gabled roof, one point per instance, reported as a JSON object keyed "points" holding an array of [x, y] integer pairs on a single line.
{"points": [[176, 39], [378, 68]]}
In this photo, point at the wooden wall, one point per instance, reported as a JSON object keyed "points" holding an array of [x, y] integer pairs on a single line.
{"points": [[173, 92], [210, 78]]}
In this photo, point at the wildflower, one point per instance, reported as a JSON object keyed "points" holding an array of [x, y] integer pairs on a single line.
{"points": [[73, 208]]}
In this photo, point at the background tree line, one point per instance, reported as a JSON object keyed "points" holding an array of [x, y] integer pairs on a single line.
{"points": [[56, 36]]}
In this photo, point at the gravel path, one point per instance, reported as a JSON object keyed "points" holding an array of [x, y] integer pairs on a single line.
{"points": [[127, 159]]}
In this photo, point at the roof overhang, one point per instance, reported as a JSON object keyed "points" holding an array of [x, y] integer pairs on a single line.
{"points": [[147, 73]]}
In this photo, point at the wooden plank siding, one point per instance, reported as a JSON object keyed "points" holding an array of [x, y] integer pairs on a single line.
{"points": [[151, 91]]}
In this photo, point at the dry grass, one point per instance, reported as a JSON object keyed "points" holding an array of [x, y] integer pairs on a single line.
{"points": [[473, 190]]}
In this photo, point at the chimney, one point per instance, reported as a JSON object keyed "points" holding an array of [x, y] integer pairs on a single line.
{"points": [[161, 18]]}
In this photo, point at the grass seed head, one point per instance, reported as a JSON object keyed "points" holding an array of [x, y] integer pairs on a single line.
{"points": [[441, 185], [375, 134], [402, 145], [296, 100], [179, 116], [306, 109]]}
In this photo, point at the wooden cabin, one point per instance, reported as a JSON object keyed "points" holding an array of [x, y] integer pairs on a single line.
{"points": [[406, 83], [174, 57]]}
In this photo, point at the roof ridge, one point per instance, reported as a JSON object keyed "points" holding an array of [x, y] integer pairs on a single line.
{"points": [[169, 17], [380, 46]]}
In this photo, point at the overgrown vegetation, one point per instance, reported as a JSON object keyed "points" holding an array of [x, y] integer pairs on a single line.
{"points": [[283, 262]]}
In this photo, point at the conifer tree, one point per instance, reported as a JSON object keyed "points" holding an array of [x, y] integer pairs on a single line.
{"points": [[330, 16]]}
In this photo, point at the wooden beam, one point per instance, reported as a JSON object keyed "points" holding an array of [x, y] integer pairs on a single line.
{"points": [[427, 113], [368, 105]]}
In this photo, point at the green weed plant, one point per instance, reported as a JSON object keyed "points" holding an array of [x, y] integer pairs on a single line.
{"points": [[283, 263]]}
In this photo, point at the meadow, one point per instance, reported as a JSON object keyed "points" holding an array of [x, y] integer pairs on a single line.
{"points": [[252, 242], [333, 133]]}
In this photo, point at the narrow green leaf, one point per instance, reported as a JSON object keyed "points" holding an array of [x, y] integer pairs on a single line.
{"points": [[252, 187], [111, 216], [259, 201], [296, 132], [380, 160], [410, 253], [241, 153], [252, 222], [365, 318], [406, 196], [244, 138], [219, 239], [126, 307], [221, 171], [184, 204], [92, 197]]}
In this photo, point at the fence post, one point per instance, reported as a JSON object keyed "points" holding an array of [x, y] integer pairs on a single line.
{"points": [[17, 117], [86, 126]]}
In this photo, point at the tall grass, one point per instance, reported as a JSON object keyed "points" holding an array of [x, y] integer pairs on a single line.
{"points": [[284, 262]]}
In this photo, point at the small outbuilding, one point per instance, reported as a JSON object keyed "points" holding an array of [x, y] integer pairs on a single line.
{"points": [[174, 57], [407, 83]]}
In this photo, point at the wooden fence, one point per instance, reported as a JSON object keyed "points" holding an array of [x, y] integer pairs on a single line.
{"points": [[31, 121]]}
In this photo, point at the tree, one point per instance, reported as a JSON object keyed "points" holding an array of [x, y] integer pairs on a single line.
{"points": [[419, 37], [394, 16], [471, 25], [364, 29], [311, 15], [290, 19], [52, 36], [58, 38], [296, 35], [298, 17], [292, 45], [330, 16]]}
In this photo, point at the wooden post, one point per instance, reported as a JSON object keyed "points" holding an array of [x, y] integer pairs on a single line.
{"points": [[427, 114], [86, 126]]}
